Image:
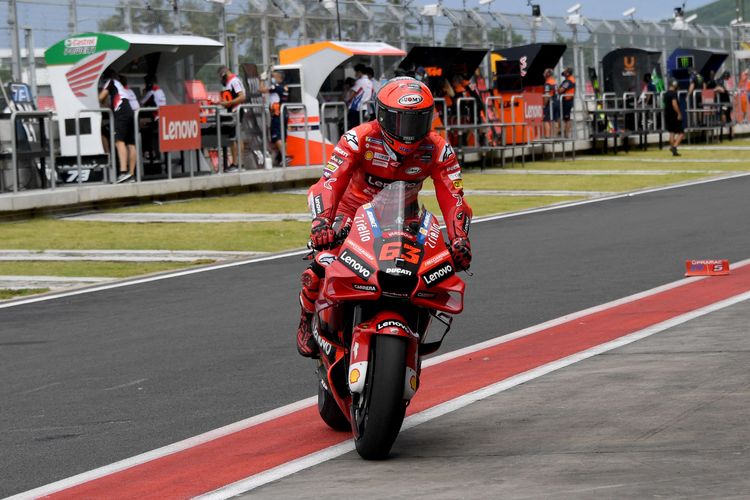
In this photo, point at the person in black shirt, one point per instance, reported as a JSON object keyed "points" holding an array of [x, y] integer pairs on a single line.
{"points": [[723, 97], [673, 117]]}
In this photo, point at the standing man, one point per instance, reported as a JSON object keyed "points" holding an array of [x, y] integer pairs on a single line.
{"points": [[567, 93], [723, 97], [116, 97], [673, 117], [359, 94], [550, 102], [154, 96], [232, 95], [696, 83], [278, 94]]}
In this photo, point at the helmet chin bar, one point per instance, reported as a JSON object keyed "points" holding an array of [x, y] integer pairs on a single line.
{"points": [[390, 149]]}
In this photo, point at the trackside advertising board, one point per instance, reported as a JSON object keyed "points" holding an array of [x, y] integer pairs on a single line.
{"points": [[179, 127]]}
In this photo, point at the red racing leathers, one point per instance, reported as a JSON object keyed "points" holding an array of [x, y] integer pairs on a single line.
{"points": [[360, 166]]}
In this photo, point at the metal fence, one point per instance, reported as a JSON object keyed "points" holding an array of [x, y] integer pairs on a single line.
{"points": [[256, 30]]}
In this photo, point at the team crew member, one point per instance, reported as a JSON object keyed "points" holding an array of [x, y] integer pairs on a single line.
{"points": [[359, 94], [278, 94], [567, 92], [550, 103], [117, 98], [696, 83], [398, 146], [232, 95], [723, 97], [673, 117], [154, 96]]}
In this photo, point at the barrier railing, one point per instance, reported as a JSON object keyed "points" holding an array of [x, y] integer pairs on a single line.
{"points": [[14, 146], [475, 115], [324, 122], [306, 125], [139, 141], [112, 174]]}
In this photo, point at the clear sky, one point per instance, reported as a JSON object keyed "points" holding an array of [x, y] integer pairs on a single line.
{"points": [[610, 9]]}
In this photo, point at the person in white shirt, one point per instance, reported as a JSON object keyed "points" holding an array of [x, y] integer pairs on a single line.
{"points": [[232, 95], [359, 94], [154, 96], [115, 95]]}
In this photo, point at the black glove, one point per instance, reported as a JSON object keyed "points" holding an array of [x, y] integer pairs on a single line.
{"points": [[322, 235], [460, 250]]}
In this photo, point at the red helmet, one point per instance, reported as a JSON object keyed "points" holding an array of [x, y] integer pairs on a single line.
{"points": [[405, 113]]}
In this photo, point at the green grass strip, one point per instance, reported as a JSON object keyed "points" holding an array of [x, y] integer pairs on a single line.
{"points": [[12, 294], [92, 269]]}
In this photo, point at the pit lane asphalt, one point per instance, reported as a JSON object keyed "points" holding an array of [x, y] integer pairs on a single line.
{"points": [[95, 378], [663, 417]]}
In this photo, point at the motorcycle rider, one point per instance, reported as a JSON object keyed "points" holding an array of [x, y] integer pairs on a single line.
{"points": [[398, 146]]}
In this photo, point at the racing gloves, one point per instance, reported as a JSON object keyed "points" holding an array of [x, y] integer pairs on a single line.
{"points": [[322, 234], [460, 250]]}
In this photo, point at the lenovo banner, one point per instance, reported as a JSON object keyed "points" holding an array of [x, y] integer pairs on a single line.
{"points": [[534, 108], [179, 127]]}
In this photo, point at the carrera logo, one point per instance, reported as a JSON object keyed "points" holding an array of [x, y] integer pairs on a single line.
{"points": [[356, 264], [435, 276], [392, 323], [83, 77], [365, 288], [410, 100]]}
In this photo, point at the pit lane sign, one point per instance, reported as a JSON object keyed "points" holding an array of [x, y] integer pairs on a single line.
{"points": [[179, 127]]}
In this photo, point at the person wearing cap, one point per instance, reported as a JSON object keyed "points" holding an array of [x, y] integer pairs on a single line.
{"points": [[232, 95], [567, 92], [673, 117], [278, 94], [550, 103]]}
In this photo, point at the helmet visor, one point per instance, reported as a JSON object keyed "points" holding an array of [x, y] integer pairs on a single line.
{"points": [[405, 126]]}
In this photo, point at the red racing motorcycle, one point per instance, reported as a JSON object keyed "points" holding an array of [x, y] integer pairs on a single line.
{"points": [[392, 275]]}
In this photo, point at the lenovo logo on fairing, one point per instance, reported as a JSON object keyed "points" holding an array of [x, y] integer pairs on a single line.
{"points": [[438, 275]]}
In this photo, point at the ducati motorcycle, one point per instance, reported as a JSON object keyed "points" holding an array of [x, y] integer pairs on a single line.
{"points": [[393, 274]]}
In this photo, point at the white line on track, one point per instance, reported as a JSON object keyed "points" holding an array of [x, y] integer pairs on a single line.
{"points": [[137, 281], [340, 449]]}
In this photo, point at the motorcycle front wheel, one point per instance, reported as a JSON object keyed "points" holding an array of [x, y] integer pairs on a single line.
{"points": [[379, 415]]}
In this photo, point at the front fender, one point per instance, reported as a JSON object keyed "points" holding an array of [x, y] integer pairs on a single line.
{"points": [[383, 323]]}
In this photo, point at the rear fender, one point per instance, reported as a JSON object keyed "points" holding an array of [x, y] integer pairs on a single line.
{"points": [[383, 323]]}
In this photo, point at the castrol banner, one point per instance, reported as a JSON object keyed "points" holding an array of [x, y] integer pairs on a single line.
{"points": [[534, 107], [179, 127]]}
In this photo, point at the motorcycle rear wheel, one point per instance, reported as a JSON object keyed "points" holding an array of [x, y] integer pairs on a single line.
{"points": [[379, 419]]}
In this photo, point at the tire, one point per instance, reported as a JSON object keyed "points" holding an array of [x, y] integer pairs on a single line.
{"points": [[330, 412], [381, 414]]}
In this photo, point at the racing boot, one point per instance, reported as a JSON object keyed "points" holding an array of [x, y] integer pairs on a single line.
{"points": [[306, 344]]}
